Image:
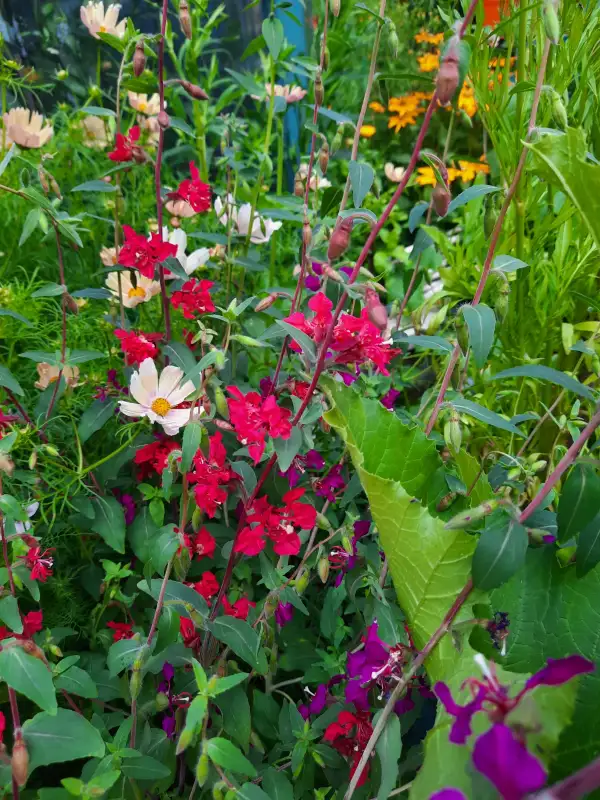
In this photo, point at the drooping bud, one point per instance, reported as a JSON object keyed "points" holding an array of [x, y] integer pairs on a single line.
{"points": [[551, 23], [55, 187], [43, 180], [217, 790], [221, 402], [319, 89], [331, 273], [193, 90], [162, 701], [440, 199], [71, 304], [135, 684], [185, 740], [306, 235], [33, 459], [163, 120], [340, 239], [298, 186], [185, 21], [302, 582], [270, 606], [453, 433], [447, 79], [202, 768], [336, 7], [393, 40], [376, 310], [266, 302], [347, 544], [323, 569], [20, 761], [338, 139], [197, 519], [559, 112], [324, 157], [322, 522], [139, 59], [471, 515]]}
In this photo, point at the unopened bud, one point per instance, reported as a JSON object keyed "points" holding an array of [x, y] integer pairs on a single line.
{"points": [[220, 360], [471, 515], [162, 701], [551, 23], [336, 7], [302, 582], [453, 433], [318, 758], [32, 459], [319, 89], [393, 40], [306, 235], [139, 59], [71, 304], [324, 157], [340, 239], [193, 90], [202, 768], [163, 120], [266, 302], [55, 187], [440, 199], [185, 21], [325, 57], [322, 522], [298, 188], [501, 302], [376, 310], [559, 112], [62, 75], [447, 79], [221, 402], [347, 544], [185, 740], [43, 180], [181, 563], [20, 761], [197, 519], [218, 790], [271, 604], [338, 139], [323, 569], [223, 425]]}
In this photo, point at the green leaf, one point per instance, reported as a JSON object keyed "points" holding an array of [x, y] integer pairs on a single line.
{"points": [[192, 436], [228, 756], [389, 749], [8, 442], [95, 417], [8, 157], [588, 547], [31, 222], [508, 264], [579, 501], [109, 522], [206, 361], [67, 736], [305, 342], [437, 343], [177, 595], [250, 791], [9, 613], [472, 193], [96, 186], [8, 381], [484, 415], [539, 372], [330, 613], [277, 785], [11, 507], [287, 449], [122, 654], [242, 639], [76, 681], [416, 215], [50, 290], [361, 178], [481, 322], [229, 682], [235, 710], [142, 534], [6, 312], [247, 82], [562, 160], [41, 356], [500, 551], [81, 356], [181, 125], [29, 676], [330, 200], [145, 768], [272, 31], [98, 111], [255, 45], [164, 546]]}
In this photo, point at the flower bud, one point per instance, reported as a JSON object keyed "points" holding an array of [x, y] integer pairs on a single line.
{"points": [[139, 59], [71, 304], [185, 21], [453, 433], [298, 187], [338, 139], [221, 402], [161, 701], [302, 582], [248, 341], [347, 544], [163, 120], [181, 563], [223, 425], [393, 40], [43, 180], [32, 459], [447, 79], [270, 606], [559, 112], [62, 75], [322, 522], [551, 23], [306, 235], [331, 273], [197, 519], [501, 302], [185, 740], [193, 90], [266, 302], [336, 7], [340, 239], [319, 89], [324, 157], [325, 57], [20, 761], [217, 790], [376, 310], [471, 515], [323, 569], [135, 683], [202, 768], [440, 199], [55, 187]]}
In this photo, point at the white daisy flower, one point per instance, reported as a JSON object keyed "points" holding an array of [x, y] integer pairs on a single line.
{"points": [[97, 20], [144, 290], [262, 227], [197, 258]]}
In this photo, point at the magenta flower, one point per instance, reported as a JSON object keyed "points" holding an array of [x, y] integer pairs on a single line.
{"points": [[313, 460], [284, 613], [558, 671], [312, 283], [461, 727], [448, 794], [389, 398], [373, 664], [507, 764], [331, 484], [317, 704]]}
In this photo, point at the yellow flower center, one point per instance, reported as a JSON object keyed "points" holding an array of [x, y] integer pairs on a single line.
{"points": [[143, 107], [161, 406], [136, 291], [102, 29]]}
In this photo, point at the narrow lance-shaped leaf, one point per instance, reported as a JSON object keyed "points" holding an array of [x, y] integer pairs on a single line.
{"points": [[500, 552], [542, 373], [481, 323], [361, 178]]}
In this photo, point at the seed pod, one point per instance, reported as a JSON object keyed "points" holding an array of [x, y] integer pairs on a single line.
{"points": [[440, 199], [319, 89], [324, 157], [453, 433], [559, 112], [162, 701], [202, 768], [197, 519], [20, 761], [43, 179], [163, 120], [376, 310], [185, 21], [447, 79], [55, 187], [306, 235], [340, 239], [193, 90], [302, 582], [336, 7], [551, 23], [32, 459], [298, 187], [323, 569], [139, 58], [466, 518]]}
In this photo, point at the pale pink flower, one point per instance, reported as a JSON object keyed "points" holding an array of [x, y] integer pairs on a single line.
{"points": [[150, 106], [145, 290], [291, 94], [25, 128], [48, 373], [94, 132], [392, 173], [97, 20]]}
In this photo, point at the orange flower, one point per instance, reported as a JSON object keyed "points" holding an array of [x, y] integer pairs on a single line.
{"points": [[429, 38], [469, 169], [367, 131], [399, 121], [429, 62], [377, 107], [466, 100], [426, 176]]}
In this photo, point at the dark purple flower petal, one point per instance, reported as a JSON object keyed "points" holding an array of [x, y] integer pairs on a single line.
{"points": [[314, 460], [317, 704], [448, 794], [559, 670], [304, 711], [507, 763], [312, 283], [317, 267], [168, 726], [355, 693], [461, 728], [284, 614], [348, 377], [405, 705], [361, 527], [168, 671], [389, 398], [346, 270], [266, 386]]}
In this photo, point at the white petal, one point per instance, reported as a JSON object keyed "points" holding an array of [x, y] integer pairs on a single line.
{"points": [[147, 381], [179, 238], [243, 220], [178, 395], [196, 259], [175, 419], [132, 409], [168, 382], [31, 509]]}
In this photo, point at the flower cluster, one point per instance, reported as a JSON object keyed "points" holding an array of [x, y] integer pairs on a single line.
{"points": [[127, 147], [254, 417], [153, 458], [40, 562], [277, 524], [211, 476], [201, 545], [349, 735], [121, 630], [145, 254], [137, 346], [194, 298], [193, 192]]}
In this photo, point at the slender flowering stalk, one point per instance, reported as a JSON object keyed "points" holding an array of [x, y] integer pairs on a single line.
{"points": [[158, 166], [495, 234], [63, 307]]}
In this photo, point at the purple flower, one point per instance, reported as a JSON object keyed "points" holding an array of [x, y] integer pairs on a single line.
{"points": [[363, 666], [168, 726], [317, 267], [448, 794], [346, 270], [128, 503], [266, 386], [314, 460], [317, 704], [389, 398], [461, 728], [349, 377], [404, 705], [331, 483], [507, 763], [558, 671], [361, 527], [168, 671], [312, 283], [284, 614]]}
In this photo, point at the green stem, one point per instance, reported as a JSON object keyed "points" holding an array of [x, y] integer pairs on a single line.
{"points": [[519, 205], [3, 113], [99, 67], [199, 121], [280, 144]]}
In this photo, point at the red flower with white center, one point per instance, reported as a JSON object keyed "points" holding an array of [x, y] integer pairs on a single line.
{"points": [[194, 298], [121, 630], [240, 609], [254, 417], [201, 545], [298, 388], [137, 346], [302, 515], [207, 586], [349, 736], [211, 476], [144, 254], [191, 638], [193, 191], [153, 457], [40, 563], [315, 326], [126, 147]]}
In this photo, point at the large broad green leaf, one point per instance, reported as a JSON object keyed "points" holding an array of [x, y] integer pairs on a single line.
{"points": [[553, 613], [64, 737], [28, 676], [143, 533], [183, 599], [109, 522], [235, 710], [579, 501], [242, 639], [562, 160], [227, 755], [389, 748], [481, 322]]}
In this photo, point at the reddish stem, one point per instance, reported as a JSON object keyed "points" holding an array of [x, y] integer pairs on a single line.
{"points": [[158, 165], [63, 342]]}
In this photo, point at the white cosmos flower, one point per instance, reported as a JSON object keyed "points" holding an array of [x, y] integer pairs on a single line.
{"points": [[158, 398], [262, 227], [189, 263], [317, 181], [97, 20], [132, 295], [21, 527], [148, 105], [26, 128]]}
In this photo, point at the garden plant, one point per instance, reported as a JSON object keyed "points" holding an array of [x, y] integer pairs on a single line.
{"points": [[299, 494]]}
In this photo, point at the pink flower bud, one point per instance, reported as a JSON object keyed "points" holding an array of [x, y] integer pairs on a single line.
{"points": [[440, 199], [324, 157], [194, 91], [376, 310], [319, 90], [332, 274], [340, 239], [223, 425], [185, 21], [163, 120], [266, 302], [139, 59], [20, 761], [306, 235], [447, 78], [298, 188]]}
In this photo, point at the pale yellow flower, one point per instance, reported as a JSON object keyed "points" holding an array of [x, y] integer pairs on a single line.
{"points": [[97, 20], [108, 256], [144, 104], [392, 173], [145, 290], [26, 128], [291, 94], [49, 374], [94, 132]]}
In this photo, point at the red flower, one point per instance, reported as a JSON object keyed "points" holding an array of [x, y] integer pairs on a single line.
{"points": [[193, 298], [302, 515], [254, 417], [2, 726], [122, 630], [126, 148], [40, 563], [211, 476], [349, 736], [193, 191], [153, 457], [32, 623], [202, 544], [144, 254], [188, 632], [240, 609], [277, 524], [316, 326], [251, 541], [207, 586], [137, 346], [299, 388]]}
